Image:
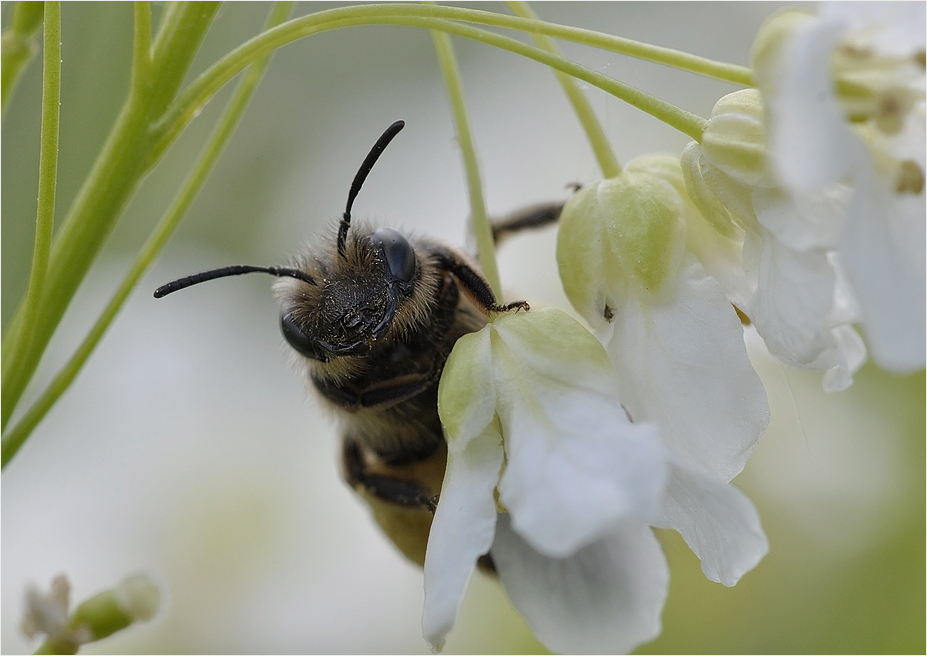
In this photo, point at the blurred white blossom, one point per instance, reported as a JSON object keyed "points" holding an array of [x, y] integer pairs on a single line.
{"points": [[135, 598], [49, 614], [844, 99]]}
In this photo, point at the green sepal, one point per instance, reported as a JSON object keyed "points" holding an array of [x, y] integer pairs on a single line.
{"points": [[466, 395]]}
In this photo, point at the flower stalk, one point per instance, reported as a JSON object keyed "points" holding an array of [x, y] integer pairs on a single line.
{"points": [[479, 220], [429, 17], [48, 180]]}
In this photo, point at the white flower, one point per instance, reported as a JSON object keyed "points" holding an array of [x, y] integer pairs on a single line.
{"points": [[844, 94], [530, 408], [677, 346], [48, 614], [788, 282]]}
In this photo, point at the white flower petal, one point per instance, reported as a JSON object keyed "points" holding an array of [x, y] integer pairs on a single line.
{"points": [[606, 598], [795, 292], [462, 531], [683, 365], [575, 463], [809, 145], [800, 310], [717, 521], [895, 28], [853, 353], [47, 612], [803, 220], [567, 482], [882, 253]]}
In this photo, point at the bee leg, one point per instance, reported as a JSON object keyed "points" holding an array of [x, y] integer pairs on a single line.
{"points": [[472, 283], [380, 395], [403, 498], [535, 216], [360, 473]]}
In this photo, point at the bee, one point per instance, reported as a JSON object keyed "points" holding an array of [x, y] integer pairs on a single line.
{"points": [[372, 316]]}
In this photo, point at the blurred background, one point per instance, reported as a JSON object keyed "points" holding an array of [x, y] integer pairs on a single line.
{"points": [[189, 448]]}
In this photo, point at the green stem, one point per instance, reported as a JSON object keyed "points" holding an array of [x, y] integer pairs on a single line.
{"points": [[125, 158], [141, 46], [600, 146], [198, 93], [48, 181], [479, 221], [226, 125]]}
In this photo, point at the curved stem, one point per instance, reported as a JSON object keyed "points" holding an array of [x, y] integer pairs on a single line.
{"points": [[198, 93]]}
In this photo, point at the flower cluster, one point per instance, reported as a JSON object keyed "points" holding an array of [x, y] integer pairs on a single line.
{"points": [[818, 176], [532, 410], [799, 211], [563, 454], [777, 267], [135, 599]]}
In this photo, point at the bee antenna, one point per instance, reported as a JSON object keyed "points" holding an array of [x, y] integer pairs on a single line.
{"points": [[362, 174], [236, 270]]}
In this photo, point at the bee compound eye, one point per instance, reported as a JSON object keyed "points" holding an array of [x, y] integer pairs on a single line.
{"points": [[400, 257], [300, 341]]}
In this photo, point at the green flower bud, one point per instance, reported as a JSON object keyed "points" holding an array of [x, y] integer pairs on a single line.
{"points": [[622, 234], [724, 202], [735, 140], [136, 598], [139, 596]]}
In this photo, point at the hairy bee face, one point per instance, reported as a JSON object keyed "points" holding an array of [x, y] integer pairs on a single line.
{"points": [[355, 299]]}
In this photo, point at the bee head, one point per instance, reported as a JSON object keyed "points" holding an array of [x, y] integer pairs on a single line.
{"points": [[355, 298], [338, 306]]}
